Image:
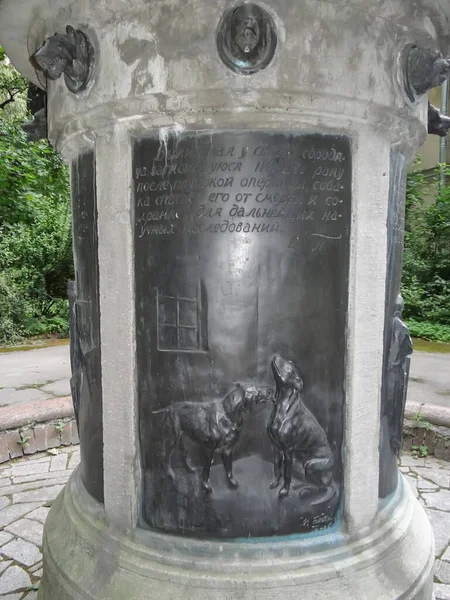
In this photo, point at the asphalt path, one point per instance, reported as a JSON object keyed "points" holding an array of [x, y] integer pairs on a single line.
{"points": [[45, 373]]}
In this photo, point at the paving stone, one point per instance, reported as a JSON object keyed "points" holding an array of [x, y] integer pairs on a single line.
{"points": [[442, 571], [40, 477], [31, 595], [5, 471], [53, 437], [404, 469], [33, 485], [4, 481], [14, 579], [74, 460], [39, 573], [4, 450], [446, 555], [4, 502], [440, 477], [439, 500], [410, 461], [40, 435], [13, 512], [59, 462], [423, 485], [32, 467], [40, 514], [13, 440], [4, 564], [440, 522], [23, 552], [35, 568], [413, 484], [66, 436], [5, 537], [28, 530], [18, 596], [30, 447], [74, 433], [441, 591], [41, 495]]}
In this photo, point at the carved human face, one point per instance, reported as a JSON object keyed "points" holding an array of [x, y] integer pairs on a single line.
{"points": [[247, 29], [399, 306]]}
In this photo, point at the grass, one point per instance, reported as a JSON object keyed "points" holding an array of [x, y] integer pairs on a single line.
{"points": [[35, 344], [426, 346]]}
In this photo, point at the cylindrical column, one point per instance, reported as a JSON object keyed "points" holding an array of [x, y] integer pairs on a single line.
{"points": [[238, 189]]}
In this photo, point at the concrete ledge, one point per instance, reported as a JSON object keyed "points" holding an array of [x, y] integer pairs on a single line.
{"points": [[432, 413], [36, 427]]}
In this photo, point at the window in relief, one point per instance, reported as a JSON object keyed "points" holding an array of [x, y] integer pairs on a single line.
{"points": [[181, 320]]}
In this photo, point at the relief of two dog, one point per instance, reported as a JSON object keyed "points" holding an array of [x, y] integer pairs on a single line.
{"points": [[293, 430]]}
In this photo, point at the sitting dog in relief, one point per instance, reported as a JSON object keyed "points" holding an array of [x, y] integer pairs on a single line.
{"points": [[295, 433], [214, 425]]}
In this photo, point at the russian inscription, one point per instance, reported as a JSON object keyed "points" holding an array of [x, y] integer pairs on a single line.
{"points": [[219, 187], [242, 250]]}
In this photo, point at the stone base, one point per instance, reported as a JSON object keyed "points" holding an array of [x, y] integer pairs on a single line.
{"points": [[86, 559]]}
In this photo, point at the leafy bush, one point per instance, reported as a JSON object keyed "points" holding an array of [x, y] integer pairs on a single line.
{"points": [[429, 331], [426, 261]]}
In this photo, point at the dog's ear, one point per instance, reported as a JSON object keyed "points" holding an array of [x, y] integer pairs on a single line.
{"points": [[298, 383]]}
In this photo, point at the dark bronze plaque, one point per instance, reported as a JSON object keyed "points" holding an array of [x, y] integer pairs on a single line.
{"points": [[242, 253], [85, 325], [397, 342]]}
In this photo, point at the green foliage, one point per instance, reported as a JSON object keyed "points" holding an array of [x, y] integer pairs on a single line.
{"points": [[429, 331], [419, 451], [426, 261], [12, 88], [35, 225]]}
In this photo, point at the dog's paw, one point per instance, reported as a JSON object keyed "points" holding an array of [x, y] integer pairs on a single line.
{"points": [[206, 487], [233, 483], [283, 492]]}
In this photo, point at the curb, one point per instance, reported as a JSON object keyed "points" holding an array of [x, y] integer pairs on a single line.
{"points": [[432, 413], [36, 426]]}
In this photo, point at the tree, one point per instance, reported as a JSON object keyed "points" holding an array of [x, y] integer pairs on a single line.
{"points": [[35, 221], [12, 87]]}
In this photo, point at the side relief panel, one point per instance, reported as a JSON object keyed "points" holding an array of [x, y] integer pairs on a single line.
{"points": [[85, 324], [397, 342]]}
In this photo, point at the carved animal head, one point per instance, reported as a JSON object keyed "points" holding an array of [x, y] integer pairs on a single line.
{"points": [[69, 53], [438, 124], [57, 54], [286, 374], [426, 69]]}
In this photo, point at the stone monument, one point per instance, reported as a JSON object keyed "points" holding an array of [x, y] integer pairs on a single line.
{"points": [[239, 360]]}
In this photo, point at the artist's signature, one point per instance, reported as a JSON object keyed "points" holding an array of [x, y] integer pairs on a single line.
{"points": [[319, 240]]}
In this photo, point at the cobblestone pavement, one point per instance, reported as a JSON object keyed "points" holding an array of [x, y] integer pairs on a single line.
{"points": [[28, 486]]}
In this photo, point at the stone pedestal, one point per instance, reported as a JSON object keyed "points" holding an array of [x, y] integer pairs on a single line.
{"points": [[238, 183]]}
